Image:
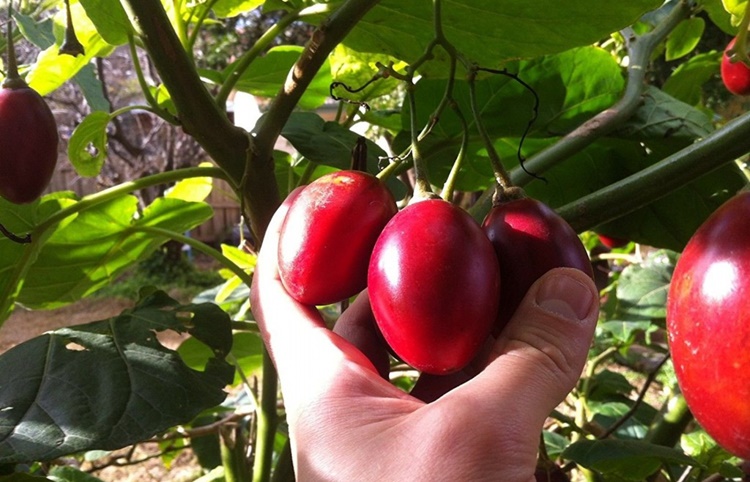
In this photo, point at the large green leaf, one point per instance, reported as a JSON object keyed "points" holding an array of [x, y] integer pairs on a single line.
{"points": [[571, 87], [232, 8], [686, 82], [268, 73], [99, 244], [109, 383], [110, 20], [642, 288], [490, 32], [15, 257], [51, 69], [627, 459]]}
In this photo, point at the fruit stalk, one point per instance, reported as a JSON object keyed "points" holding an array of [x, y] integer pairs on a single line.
{"points": [[12, 79], [671, 424]]}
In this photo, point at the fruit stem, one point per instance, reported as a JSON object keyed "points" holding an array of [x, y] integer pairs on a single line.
{"points": [[71, 45], [668, 428], [450, 182], [581, 403], [502, 178], [267, 421], [12, 79], [422, 188]]}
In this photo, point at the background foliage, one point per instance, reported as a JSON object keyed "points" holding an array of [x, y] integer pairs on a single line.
{"points": [[612, 113]]}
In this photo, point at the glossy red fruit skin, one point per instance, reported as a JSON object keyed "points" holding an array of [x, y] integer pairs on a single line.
{"points": [[328, 234], [529, 239], [611, 242], [433, 283], [28, 144], [708, 323], [736, 76]]}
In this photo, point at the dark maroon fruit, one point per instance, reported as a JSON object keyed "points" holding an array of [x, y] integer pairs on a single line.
{"points": [[529, 239], [28, 144]]}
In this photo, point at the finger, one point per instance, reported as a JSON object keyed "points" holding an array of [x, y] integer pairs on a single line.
{"points": [[357, 326], [307, 355], [540, 354]]}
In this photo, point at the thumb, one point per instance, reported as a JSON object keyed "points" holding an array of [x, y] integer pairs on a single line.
{"points": [[539, 356]]}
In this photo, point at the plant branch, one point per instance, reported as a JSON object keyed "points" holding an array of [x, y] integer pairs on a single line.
{"points": [[235, 71], [330, 33], [267, 421], [654, 182], [199, 115], [640, 49]]}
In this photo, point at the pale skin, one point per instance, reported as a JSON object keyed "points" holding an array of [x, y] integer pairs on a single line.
{"points": [[349, 423]]}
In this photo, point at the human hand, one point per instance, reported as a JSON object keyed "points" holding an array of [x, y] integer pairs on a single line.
{"points": [[348, 422]]}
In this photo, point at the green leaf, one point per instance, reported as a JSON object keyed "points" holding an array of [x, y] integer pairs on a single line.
{"points": [[109, 383], [554, 443], [489, 32], [99, 244], [194, 189], [38, 32], [51, 69], [642, 288], [736, 8], [232, 8], [330, 144], [92, 89], [15, 258], [612, 410], [719, 16], [684, 38], [662, 117], [628, 459], [704, 449], [623, 333], [607, 383], [686, 82], [267, 75], [87, 148], [247, 353], [571, 88], [109, 19]]}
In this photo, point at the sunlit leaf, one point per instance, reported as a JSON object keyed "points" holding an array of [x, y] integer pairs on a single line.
{"points": [[684, 38], [87, 148]]}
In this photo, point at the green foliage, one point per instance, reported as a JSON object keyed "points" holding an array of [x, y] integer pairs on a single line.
{"points": [[84, 387], [548, 77]]}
